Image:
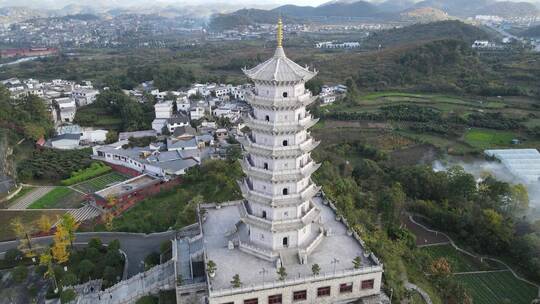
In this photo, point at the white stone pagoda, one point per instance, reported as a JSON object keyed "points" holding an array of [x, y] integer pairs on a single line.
{"points": [[278, 188], [284, 228]]}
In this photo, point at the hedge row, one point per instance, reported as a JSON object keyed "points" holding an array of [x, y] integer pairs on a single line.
{"points": [[94, 170]]}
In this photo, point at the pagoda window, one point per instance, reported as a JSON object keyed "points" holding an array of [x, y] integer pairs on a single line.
{"points": [[286, 242], [267, 118], [285, 191], [265, 166], [264, 214], [285, 94], [285, 143]]}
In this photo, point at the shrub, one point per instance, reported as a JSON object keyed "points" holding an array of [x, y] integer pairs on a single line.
{"points": [[67, 296], [94, 170], [19, 273]]}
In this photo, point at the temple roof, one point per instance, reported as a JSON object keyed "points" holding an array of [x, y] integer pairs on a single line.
{"points": [[279, 68]]}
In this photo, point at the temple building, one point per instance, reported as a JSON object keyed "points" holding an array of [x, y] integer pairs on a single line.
{"points": [[284, 242]]}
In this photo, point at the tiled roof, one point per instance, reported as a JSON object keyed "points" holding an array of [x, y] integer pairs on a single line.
{"points": [[279, 68]]}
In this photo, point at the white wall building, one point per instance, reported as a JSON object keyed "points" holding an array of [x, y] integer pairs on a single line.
{"points": [[84, 96], [196, 113]]}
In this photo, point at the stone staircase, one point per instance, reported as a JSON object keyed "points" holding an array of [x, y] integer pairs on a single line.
{"points": [[84, 213]]}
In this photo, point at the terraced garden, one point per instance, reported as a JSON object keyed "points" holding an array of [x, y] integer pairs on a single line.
{"points": [[497, 288], [58, 198], [100, 182], [459, 262]]}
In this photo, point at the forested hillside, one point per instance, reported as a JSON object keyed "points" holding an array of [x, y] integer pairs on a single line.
{"points": [[419, 33]]}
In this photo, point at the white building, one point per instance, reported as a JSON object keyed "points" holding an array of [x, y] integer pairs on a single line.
{"points": [[84, 96], [94, 136], [163, 109], [144, 160], [196, 113], [280, 223]]}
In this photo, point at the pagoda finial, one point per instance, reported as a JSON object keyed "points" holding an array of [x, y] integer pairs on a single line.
{"points": [[279, 33]]}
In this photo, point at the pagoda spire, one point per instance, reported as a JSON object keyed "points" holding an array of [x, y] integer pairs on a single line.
{"points": [[279, 33]]}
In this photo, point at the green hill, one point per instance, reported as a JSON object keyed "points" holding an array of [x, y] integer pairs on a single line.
{"points": [[426, 32]]}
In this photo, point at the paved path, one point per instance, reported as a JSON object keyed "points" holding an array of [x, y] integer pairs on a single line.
{"points": [[136, 245], [32, 196], [425, 296]]}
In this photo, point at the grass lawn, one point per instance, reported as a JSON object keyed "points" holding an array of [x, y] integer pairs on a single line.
{"points": [[100, 182], [58, 198], [497, 288], [459, 262], [485, 139], [28, 217]]}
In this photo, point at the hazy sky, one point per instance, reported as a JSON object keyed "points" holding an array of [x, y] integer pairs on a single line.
{"points": [[124, 3]]}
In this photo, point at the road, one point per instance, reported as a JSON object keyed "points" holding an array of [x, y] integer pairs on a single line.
{"points": [[136, 245]]}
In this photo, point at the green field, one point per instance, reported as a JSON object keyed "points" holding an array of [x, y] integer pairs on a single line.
{"points": [[100, 182], [483, 138], [497, 288], [58, 198], [459, 262]]}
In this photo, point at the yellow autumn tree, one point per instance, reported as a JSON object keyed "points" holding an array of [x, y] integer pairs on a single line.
{"points": [[70, 225], [111, 201], [22, 233], [44, 223], [46, 259], [59, 248], [107, 219]]}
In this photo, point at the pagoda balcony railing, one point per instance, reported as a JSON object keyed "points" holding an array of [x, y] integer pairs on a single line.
{"points": [[279, 151], [251, 194], [276, 225], [277, 128], [278, 175], [281, 102], [281, 127]]}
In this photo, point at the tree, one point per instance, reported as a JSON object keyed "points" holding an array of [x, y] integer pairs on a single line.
{"points": [[151, 260], [22, 233], [69, 279], [282, 273], [211, 268], [316, 269], [107, 219], [440, 268], [109, 275], [44, 223], [59, 249], [19, 273], [236, 283], [46, 259], [519, 198], [67, 296], [174, 106], [111, 137], [86, 269], [357, 262]]}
